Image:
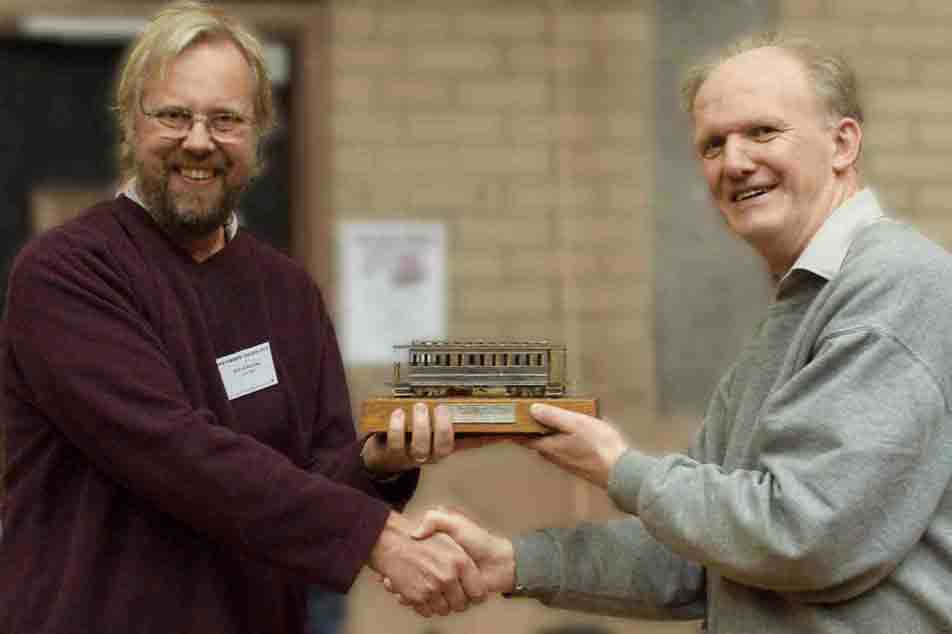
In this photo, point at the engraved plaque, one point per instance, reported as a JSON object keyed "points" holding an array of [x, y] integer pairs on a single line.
{"points": [[494, 413], [473, 415]]}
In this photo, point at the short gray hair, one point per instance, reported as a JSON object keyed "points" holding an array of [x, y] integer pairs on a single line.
{"points": [[832, 77]]}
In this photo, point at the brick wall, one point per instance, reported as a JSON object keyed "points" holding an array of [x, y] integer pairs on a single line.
{"points": [[904, 59], [524, 127], [520, 126]]}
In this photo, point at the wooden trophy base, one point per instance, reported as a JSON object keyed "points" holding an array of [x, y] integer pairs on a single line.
{"points": [[472, 415]]}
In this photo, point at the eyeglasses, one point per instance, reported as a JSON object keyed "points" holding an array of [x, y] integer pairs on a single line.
{"points": [[222, 126]]}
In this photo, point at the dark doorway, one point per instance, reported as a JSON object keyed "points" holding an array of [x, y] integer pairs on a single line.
{"points": [[57, 132]]}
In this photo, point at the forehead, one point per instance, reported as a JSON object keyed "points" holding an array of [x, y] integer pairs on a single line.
{"points": [[765, 83], [205, 74]]}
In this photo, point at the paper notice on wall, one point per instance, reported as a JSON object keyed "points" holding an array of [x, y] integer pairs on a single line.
{"points": [[392, 287]]}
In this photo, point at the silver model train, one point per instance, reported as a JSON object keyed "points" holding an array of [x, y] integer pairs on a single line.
{"points": [[479, 367]]}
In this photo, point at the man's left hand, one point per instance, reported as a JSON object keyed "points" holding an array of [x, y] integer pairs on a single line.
{"points": [[585, 446], [429, 442]]}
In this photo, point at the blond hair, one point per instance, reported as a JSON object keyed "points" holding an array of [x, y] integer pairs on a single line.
{"points": [[831, 76], [174, 29]]}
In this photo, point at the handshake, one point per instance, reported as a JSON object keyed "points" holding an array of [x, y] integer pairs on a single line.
{"points": [[448, 562], [445, 563]]}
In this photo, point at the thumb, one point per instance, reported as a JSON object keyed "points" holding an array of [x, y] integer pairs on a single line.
{"points": [[555, 417], [434, 521], [439, 520]]}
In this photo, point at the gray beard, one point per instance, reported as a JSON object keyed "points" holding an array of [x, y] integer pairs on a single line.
{"points": [[185, 218]]}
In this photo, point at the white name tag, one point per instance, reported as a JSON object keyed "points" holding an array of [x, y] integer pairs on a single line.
{"points": [[247, 370]]}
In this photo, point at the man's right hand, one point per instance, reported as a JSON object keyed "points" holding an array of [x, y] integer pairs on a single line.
{"points": [[432, 574], [494, 555]]}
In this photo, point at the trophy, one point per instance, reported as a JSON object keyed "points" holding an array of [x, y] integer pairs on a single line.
{"points": [[487, 385]]}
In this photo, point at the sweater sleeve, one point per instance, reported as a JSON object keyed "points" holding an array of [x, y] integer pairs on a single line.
{"points": [[614, 567], [92, 365], [619, 567], [855, 454], [335, 451]]}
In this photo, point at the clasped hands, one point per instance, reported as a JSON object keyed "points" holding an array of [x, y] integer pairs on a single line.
{"points": [[448, 562]]}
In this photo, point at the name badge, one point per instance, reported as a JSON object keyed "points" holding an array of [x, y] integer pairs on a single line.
{"points": [[247, 370]]}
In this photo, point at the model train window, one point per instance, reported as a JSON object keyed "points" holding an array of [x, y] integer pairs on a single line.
{"points": [[528, 368]]}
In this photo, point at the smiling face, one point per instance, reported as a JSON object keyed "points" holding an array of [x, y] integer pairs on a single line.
{"points": [[775, 162], [192, 184]]}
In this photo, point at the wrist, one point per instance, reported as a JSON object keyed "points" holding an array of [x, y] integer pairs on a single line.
{"points": [[396, 530], [507, 575], [372, 464]]}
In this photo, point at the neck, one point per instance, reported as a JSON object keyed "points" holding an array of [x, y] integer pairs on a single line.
{"points": [[205, 247], [782, 254]]}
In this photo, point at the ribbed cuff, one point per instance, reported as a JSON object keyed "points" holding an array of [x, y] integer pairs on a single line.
{"points": [[538, 565]]}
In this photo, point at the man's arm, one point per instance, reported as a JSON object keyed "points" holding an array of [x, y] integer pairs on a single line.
{"points": [[832, 474], [608, 568], [95, 369]]}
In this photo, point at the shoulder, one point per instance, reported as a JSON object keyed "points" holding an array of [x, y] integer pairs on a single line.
{"points": [[892, 257], [86, 262], [896, 284], [90, 236]]}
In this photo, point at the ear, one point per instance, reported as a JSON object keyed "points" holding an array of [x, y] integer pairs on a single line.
{"points": [[848, 137]]}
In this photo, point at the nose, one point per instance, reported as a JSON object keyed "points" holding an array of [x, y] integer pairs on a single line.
{"points": [[198, 139], [737, 159]]}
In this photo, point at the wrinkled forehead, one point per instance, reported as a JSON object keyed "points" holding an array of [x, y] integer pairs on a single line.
{"points": [[763, 82], [766, 71]]}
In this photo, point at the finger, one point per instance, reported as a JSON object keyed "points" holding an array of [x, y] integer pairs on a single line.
{"points": [[455, 597], [396, 432], [557, 418], [442, 433], [472, 582], [434, 521], [453, 589], [549, 447], [423, 609], [439, 605], [543, 443], [453, 522], [420, 442]]}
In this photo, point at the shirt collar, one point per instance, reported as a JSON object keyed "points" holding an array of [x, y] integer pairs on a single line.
{"points": [[131, 191], [824, 254]]}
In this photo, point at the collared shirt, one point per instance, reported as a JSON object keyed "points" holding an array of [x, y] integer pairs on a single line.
{"points": [[824, 254], [131, 192]]}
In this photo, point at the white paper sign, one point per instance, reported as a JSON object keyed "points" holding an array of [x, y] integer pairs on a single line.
{"points": [[392, 287], [247, 370]]}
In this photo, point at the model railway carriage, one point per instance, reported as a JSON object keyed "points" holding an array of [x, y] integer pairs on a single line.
{"points": [[458, 368]]}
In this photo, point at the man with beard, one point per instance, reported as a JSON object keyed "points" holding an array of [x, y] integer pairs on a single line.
{"points": [[181, 454], [817, 496]]}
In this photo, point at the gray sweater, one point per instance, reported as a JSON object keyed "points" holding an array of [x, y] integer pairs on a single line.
{"points": [[816, 496]]}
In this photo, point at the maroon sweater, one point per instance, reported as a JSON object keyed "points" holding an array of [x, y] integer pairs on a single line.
{"points": [[139, 497]]}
